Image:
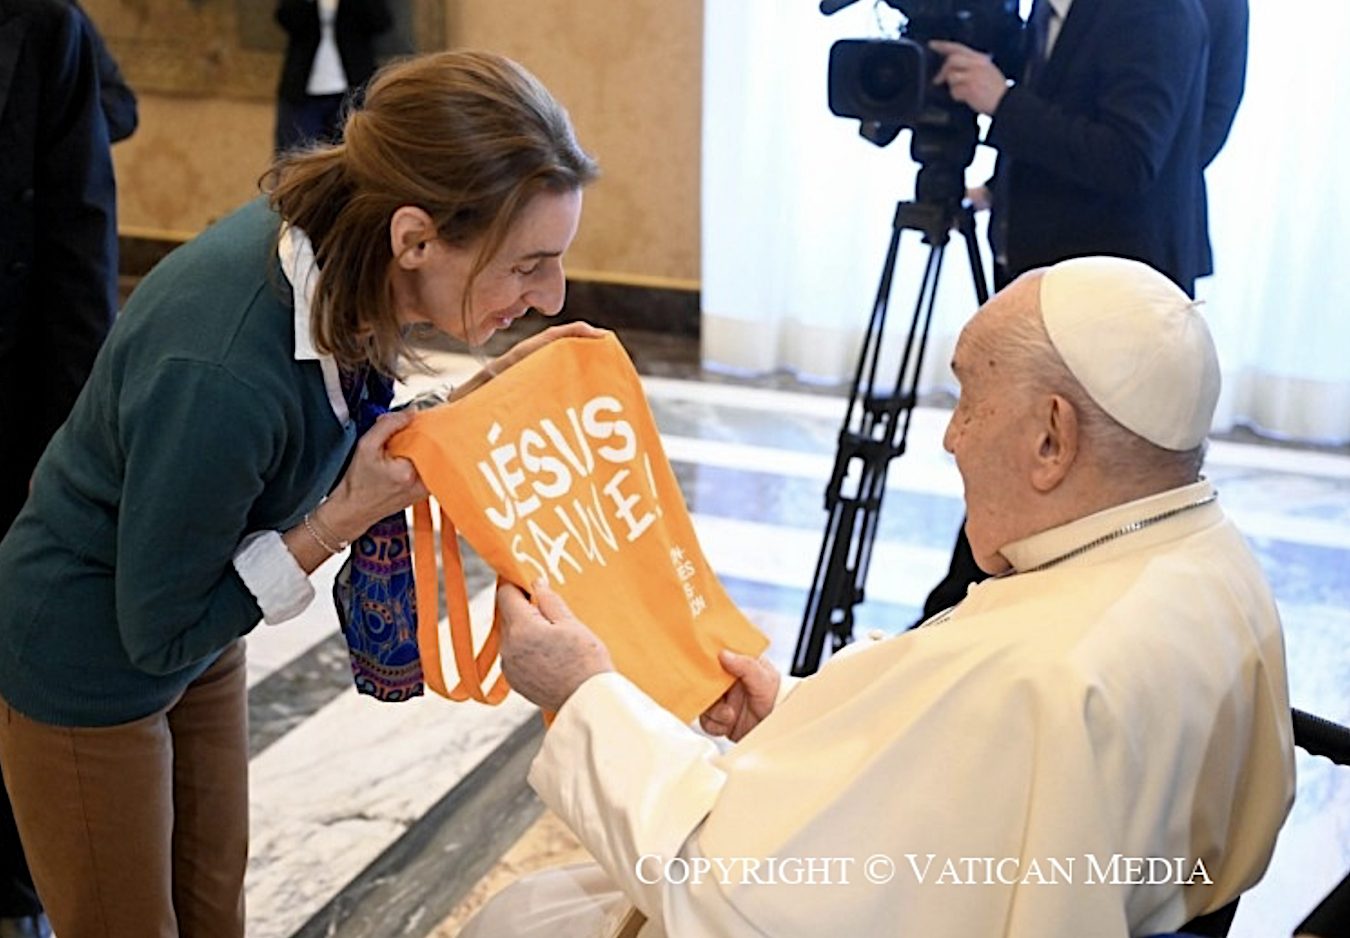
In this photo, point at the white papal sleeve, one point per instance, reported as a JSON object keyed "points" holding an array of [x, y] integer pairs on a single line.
{"points": [[629, 779]]}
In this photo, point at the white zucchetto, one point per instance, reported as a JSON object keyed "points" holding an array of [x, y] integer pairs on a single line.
{"points": [[1137, 344]]}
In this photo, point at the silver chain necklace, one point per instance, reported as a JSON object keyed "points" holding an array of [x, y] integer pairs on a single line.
{"points": [[1121, 532], [1078, 551]]}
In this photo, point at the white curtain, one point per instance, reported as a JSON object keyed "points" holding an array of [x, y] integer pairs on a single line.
{"points": [[797, 211]]}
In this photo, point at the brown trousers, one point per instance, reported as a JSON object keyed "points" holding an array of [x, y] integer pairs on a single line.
{"points": [[139, 830]]}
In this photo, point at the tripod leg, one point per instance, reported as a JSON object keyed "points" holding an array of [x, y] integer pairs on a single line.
{"points": [[866, 447], [828, 610], [962, 571], [899, 408], [966, 225], [823, 599]]}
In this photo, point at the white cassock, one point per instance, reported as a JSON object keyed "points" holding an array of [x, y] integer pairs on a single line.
{"points": [[1016, 763]]}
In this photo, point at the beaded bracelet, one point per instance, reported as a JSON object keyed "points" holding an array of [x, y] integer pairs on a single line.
{"points": [[313, 524]]}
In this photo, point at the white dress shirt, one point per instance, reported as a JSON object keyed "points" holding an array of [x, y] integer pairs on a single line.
{"points": [[326, 75], [263, 561]]}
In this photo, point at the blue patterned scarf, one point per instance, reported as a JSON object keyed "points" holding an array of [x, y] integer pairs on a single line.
{"points": [[373, 592]]}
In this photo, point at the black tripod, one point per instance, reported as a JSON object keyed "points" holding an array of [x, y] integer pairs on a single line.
{"points": [[875, 428]]}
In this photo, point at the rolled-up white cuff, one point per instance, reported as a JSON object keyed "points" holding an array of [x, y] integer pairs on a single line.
{"points": [[273, 576]]}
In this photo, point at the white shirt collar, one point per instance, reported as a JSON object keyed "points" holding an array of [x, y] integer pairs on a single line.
{"points": [[297, 263], [296, 254]]}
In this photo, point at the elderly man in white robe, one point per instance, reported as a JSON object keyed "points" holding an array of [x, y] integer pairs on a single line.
{"points": [[1095, 741]]}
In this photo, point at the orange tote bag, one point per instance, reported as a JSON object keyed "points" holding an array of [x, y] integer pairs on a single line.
{"points": [[555, 469]]}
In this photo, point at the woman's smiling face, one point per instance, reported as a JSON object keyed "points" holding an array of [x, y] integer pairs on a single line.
{"points": [[525, 273]]}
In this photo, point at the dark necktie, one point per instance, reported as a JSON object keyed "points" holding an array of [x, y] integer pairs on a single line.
{"points": [[1037, 41], [1039, 38], [373, 592]]}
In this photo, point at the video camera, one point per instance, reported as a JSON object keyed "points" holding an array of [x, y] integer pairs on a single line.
{"points": [[887, 84]]}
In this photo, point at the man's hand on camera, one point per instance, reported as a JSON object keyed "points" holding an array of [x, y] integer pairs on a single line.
{"points": [[971, 77], [979, 198]]}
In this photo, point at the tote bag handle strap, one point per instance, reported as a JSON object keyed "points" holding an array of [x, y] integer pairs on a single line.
{"points": [[472, 669]]}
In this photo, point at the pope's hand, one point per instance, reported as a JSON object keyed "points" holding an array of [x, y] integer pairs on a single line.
{"points": [[546, 652], [746, 702]]}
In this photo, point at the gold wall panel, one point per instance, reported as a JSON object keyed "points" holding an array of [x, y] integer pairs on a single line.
{"points": [[228, 48], [629, 71], [191, 161]]}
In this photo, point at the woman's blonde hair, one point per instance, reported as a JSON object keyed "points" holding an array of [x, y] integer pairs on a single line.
{"points": [[469, 137]]}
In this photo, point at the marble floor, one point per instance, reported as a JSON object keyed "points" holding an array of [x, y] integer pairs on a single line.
{"points": [[379, 820]]}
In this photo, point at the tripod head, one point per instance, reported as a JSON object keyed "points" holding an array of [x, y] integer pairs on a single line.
{"points": [[943, 144]]}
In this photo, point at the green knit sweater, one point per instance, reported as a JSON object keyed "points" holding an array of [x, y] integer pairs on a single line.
{"points": [[197, 427]]}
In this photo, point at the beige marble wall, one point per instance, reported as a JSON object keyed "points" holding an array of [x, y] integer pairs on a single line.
{"points": [[190, 161], [628, 70]]}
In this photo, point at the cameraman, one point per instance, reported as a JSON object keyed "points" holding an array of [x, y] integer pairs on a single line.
{"points": [[1099, 142]]}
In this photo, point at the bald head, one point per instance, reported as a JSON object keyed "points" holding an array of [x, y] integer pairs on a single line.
{"points": [[1017, 307], [1035, 446]]}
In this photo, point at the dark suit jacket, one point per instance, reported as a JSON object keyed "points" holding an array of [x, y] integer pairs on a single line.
{"points": [[1224, 82], [116, 96], [357, 24], [1101, 148], [58, 229]]}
